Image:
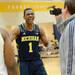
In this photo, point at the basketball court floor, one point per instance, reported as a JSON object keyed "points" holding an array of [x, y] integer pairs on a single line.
{"points": [[52, 65]]}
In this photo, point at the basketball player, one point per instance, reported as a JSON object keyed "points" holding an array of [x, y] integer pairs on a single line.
{"points": [[27, 37], [67, 40], [7, 62]]}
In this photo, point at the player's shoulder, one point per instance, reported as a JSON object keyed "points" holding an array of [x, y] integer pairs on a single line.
{"points": [[36, 26]]}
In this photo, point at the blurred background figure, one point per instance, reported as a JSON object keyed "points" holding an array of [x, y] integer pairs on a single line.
{"points": [[57, 13], [8, 65]]}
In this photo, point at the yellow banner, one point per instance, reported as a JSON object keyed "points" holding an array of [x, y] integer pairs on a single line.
{"points": [[20, 6]]}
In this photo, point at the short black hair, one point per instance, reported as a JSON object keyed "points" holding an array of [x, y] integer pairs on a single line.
{"points": [[70, 4], [26, 10]]}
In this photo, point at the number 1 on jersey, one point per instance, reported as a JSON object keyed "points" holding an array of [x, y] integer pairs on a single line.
{"points": [[30, 47]]}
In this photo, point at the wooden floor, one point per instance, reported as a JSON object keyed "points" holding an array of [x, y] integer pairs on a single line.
{"points": [[52, 65]]}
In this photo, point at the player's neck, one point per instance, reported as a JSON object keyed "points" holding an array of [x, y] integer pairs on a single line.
{"points": [[29, 27]]}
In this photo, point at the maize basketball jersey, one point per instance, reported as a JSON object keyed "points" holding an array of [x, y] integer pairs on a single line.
{"points": [[28, 43]]}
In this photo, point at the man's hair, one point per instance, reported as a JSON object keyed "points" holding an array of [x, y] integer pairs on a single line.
{"points": [[70, 4], [26, 10]]}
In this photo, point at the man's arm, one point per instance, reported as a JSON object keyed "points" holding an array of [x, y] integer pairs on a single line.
{"points": [[9, 55], [44, 39], [14, 33]]}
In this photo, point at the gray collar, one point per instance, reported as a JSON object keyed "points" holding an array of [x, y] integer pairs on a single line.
{"points": [[68, 20], [63, 24]]}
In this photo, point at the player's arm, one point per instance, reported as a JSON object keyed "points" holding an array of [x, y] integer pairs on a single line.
{"points": [[14, 33], [44, 39], [9, 55]]}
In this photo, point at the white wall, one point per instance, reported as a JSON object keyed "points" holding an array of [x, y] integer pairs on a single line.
{"points": [[10, 18], [14, 18]]}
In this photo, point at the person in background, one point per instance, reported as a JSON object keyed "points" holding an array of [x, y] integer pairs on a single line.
{"points": [[53, 10]]}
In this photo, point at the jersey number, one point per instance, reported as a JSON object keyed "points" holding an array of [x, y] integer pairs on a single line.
{"points": [[30, 47]]}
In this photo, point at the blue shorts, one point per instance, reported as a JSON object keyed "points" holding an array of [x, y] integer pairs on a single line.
{"points": [[32, 68]]}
